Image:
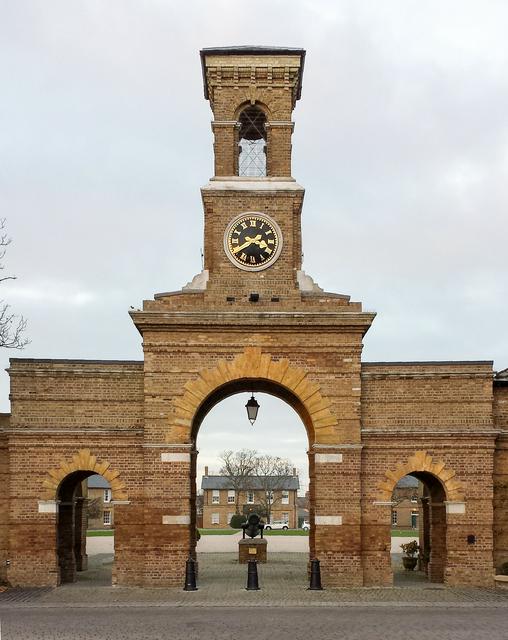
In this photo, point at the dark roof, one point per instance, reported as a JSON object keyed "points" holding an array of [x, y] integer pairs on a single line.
{"points": [[501, 377], [407, 481], [254, 483], [249, 50], [98, 482]]}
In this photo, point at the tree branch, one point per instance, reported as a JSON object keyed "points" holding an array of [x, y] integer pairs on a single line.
{"points": [[12, 326]]}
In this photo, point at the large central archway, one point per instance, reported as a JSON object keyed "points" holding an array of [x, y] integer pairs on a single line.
{"points": [[256, 386], [277, 377], [258, 372]]}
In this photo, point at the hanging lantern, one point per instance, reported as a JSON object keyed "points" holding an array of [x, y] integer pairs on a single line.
{"points": [[252, 407]]}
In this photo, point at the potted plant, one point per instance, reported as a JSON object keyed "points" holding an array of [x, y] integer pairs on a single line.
{"points": [[410, 550]]}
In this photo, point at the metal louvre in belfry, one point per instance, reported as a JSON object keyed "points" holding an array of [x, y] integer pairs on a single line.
{"points": [[252, 143]]}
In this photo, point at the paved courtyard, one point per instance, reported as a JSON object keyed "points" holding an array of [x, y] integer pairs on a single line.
{"points": [[221, 581]]}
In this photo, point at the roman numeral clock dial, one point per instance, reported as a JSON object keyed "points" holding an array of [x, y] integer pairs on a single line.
{"points": [[253, 241]]}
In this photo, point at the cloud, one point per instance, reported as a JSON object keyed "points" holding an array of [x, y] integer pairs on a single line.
{"points": [[58, 294]]}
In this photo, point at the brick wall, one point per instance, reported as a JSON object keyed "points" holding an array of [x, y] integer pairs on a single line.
{"points": [[444, 409], [4, 496], [59, 408], [501, 475]]}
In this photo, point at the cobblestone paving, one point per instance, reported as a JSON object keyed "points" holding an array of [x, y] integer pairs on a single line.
{"points": [[236, 623], [222, 581], [23, 595]]}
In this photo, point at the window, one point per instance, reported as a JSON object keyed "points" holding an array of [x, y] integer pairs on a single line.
{"points": [[269, 497], [215, 518], [252, 143], [215, 496], [231, 496], [285, 517], [106, 518], [107, 495], [230, 515], [394, 517], [414, 499], [250, 497], [285, 497]]}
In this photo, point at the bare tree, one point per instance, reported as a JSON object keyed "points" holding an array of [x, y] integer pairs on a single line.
{"points": [[12, 327], [272, 475], [238, 467], [93, 508]]}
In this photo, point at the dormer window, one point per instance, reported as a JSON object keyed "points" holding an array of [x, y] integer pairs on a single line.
{"points": [[252, 143]]}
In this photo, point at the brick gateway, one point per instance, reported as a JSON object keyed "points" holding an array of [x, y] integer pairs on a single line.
{"points": [[253, 320]]}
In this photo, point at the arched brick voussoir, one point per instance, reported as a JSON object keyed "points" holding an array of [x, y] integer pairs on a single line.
{"points": [[421, 461], [254, 364], [83, 460]]}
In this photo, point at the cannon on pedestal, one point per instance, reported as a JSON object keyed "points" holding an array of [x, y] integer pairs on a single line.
{"points": [[252, 547]]}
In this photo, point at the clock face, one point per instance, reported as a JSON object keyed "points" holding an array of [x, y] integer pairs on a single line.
{"points": [[253, 241]]}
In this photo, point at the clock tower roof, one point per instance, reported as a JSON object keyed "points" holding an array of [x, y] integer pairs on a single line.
{"points": [[250, 54]]}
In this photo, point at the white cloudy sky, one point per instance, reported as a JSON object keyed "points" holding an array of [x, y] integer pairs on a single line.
{"points": [[401, 140]]}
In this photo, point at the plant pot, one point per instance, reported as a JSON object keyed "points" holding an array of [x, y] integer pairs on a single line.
{"points": [[409, 563]]}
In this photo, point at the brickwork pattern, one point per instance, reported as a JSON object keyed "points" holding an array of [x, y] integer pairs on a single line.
{"points": [[500, 411]]}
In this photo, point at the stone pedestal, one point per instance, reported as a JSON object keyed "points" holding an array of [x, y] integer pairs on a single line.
{"points": [[252, 548]]}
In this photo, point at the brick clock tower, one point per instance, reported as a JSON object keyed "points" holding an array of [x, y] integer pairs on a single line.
{"points": [[252, 319]]}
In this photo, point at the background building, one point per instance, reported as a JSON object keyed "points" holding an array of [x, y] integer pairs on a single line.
{"points": [[406, 503], [219, 500], [100, 508]]}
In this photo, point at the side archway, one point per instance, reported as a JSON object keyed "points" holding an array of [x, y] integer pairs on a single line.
{"points": [[82, 462], [440, 489], [420, 462], [64, 485], [261, 369]]}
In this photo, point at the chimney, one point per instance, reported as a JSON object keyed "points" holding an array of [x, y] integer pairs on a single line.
{"points": [[206, 471], [294, 471]]}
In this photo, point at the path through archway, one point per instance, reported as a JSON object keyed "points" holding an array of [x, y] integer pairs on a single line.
{"points": [[277, 432]]}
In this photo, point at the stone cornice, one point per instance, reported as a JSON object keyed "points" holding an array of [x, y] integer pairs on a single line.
{"points": [[445, 433], [161, 320], [233, 184], [22, 431], [425, 375], [84, 368]]}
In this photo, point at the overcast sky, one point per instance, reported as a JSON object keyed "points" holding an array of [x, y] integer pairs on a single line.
{"points": [[401, 141]]}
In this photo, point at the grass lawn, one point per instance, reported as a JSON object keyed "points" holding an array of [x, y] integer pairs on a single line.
{"points": [[100, 532], [289, 532], [404, 533], [218, 532]]}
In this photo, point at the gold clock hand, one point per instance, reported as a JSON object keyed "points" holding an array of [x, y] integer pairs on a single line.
{"points": [[246, 244]]}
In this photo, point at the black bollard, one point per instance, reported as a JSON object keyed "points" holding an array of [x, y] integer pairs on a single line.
{"points": [[252, 576], [190, 575], [315, 576]]}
